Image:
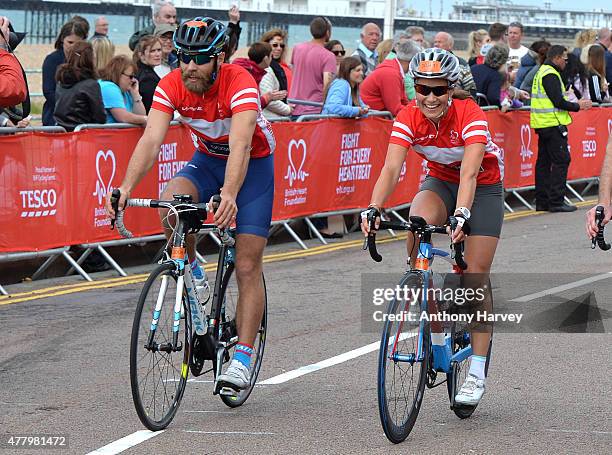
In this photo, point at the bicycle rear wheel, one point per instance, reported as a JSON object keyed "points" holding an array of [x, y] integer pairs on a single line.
{"points": [[401, 382], [158, 367], [229, 334]]}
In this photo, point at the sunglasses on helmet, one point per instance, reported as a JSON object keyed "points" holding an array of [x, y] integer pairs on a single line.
{"points": [[425, 90], [198, 59]]}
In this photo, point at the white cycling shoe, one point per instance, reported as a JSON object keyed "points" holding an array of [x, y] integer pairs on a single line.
{"points": [[236, 377], [471, 391]]}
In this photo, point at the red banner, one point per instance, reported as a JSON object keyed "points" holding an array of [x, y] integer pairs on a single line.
{"points": [[52, 186]]}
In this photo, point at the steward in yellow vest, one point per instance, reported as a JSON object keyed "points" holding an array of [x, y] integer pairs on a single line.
{"points": [[550, 117]]}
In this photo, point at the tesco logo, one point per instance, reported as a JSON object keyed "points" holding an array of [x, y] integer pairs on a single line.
{"points": [[37, 203], [589, 147]]}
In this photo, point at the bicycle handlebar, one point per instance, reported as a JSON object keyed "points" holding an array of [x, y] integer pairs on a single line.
{"points": [[599, 239], [180, 202], [413, 227]]}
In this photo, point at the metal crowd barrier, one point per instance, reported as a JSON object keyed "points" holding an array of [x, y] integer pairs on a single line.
{"points": [[44, 129]]}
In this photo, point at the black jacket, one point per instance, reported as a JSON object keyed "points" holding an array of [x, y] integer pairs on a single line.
{"points": [[488, 82], [79, 103], [552, 87], [52, 61], [147, 82]]}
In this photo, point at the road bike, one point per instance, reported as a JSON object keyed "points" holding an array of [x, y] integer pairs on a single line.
{"points": [[413, 349], [172, 334], [599, 239]]}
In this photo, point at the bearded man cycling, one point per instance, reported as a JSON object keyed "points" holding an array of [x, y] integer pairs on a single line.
{"points": [[464, 180], [220, 104]]}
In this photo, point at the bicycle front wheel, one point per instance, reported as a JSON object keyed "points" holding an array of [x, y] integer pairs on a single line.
{"points": [[401, 375], [158, 361], [229, 334]]}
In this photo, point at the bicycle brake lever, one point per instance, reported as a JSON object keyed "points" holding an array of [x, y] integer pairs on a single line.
{"points": [[115, 196]]}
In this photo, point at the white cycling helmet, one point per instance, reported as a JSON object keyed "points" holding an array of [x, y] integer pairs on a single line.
{"points": [[434, 63]]}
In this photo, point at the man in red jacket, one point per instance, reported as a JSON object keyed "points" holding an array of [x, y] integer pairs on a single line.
{"points": [[383, 89], [12, 85]]}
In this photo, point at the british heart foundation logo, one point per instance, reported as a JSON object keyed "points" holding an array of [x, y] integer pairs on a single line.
{"points": [[105, 171], [526, 152], [296, 153]]}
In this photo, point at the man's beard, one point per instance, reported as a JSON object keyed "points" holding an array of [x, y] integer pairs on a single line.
{"points": [[201, 85]]}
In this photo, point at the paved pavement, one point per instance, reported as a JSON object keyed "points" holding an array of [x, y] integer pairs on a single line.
{"points": [[64, 364]]}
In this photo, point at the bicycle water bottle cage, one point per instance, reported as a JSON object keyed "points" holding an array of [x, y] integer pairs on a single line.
{"points": [[183, 197]]}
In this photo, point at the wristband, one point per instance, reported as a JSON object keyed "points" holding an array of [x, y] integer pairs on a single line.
{"points": [[464, 211]]}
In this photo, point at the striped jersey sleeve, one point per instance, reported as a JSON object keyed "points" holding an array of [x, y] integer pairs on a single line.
{"points": [[164, 97], [243, 93], [475, 128], [401, 134]]}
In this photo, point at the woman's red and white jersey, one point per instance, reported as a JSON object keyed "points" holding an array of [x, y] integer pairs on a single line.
{"points": [[443, 146], [209, 117]]}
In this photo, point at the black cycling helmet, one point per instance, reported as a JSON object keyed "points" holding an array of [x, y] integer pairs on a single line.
{"points": [[201, 35]]}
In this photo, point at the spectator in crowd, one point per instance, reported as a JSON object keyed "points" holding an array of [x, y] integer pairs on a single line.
{"points": [[465, 85], [537, 54], [575, 78], [487, 75], [498, 33], [401, 37], [550, 117], [384, 90], [78, 95], [101, 28], [383, 49], [342, 97], [273, 108], [277, 38], [337, 48], [169, 57], [416, 34], [366, 51], [104, 51], [147, 56], [84, 23], [120, 93], [259, 59], [530, 64], [515, 36], [604, 39], [596, 71], [506, 95], [584, 38], [13, 89], [163, 12], [71, 32], [233, 30], [313, 67], [476, 40]]}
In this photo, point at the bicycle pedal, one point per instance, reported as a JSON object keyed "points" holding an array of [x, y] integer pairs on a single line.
{"points": [[228, 392]]}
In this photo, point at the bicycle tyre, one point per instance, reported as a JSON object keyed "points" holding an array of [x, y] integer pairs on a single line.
{"points": [[230, 291], [146, 409], [397, 431]]}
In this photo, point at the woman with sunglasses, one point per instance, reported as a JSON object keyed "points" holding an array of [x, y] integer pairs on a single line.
{"points": [[120, 94], [277, 38], [335, 47], [464, 181]]}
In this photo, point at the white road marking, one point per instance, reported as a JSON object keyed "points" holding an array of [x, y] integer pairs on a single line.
{"points": [[256, 433], [579, 431], [289, 375], [564, 287], [125, 443]]}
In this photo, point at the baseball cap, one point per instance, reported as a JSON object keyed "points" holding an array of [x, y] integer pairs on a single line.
{"points": [[164, 28]]}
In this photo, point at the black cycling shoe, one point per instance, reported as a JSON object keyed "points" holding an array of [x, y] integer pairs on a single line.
{"points": [[562, 208], [541, 208]]}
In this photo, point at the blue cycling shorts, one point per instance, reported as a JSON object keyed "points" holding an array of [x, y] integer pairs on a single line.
{"points": [[255, 198]]}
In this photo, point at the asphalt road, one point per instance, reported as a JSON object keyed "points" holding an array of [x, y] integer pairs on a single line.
{"points": [[64, 366]]}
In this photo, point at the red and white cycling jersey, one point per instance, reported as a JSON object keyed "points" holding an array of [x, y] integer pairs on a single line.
{"points": [[444, 146], [209, 117]]}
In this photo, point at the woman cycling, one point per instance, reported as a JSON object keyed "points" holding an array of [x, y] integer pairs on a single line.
{"points": [[464, 180]]}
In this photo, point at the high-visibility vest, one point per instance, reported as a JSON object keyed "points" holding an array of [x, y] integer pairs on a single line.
{"points": [[543, 112]]}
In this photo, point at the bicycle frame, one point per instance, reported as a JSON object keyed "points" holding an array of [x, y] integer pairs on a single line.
{"points": [[443, 358]]}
